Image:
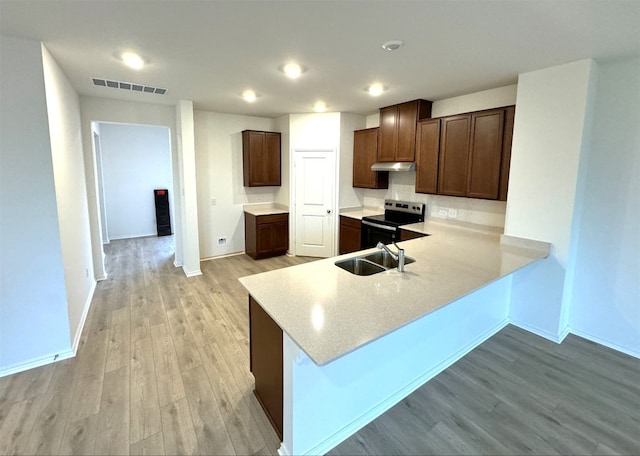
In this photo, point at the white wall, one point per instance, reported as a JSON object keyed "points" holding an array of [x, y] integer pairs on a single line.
{"points": [[218, 142], [188, 210], [606, 280], [136, 159], [63, 108], [347, 194], [402, 184], [34, 323], [282, 125], [94, 109], [549, 132]]}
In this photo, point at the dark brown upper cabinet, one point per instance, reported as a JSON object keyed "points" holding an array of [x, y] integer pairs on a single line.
{"points": [[454, 155], [261, 158], [475, 152], [365, 148], [427, 155], [397, 140]]}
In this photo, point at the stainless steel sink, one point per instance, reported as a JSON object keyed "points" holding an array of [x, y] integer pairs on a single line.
{"points": [[385, 260], [370, 264], [360, 266]]}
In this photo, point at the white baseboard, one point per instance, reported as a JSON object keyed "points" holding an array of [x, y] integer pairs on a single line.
{"points": [[37, 362], [101, 278], [226, 255], [83, 319], [606, 343], [283, 450], [195, 273], [557, 338], [373, 413]]}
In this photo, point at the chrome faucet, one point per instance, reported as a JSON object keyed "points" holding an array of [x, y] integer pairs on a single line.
{"points": [[399, 256]]}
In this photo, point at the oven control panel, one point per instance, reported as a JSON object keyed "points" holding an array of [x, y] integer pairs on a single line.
{"points": [[404, 206]]}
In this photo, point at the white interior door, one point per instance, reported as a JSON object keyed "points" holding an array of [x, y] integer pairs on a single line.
{"points": [[315, 178]]}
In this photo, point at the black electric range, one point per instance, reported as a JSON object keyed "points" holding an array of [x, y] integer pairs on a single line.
{"points": [[385, 228]]}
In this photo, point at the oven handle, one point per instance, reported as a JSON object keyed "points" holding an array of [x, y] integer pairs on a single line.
{"points": [[377, 225]]}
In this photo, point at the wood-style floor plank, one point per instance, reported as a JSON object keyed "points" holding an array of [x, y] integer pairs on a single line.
{"points": [[163, 368]]}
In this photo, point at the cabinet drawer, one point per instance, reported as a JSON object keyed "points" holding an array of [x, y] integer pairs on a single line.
{"points": [[272, 218]]}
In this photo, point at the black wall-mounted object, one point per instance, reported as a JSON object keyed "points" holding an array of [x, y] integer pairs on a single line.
{"points": [[163, 220]]}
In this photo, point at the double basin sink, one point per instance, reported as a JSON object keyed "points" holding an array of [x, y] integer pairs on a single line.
{"points": [[371, 263]]}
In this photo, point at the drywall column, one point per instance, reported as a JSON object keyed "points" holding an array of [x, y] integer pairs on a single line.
{"points": [[187, 185], [605, 290], [34, 324], [552, 107]]}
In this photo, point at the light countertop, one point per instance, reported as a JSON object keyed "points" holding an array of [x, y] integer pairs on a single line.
{"points": [[359, 212], [265, 209], [329, 312]]}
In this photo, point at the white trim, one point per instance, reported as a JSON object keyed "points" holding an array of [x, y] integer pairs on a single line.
{"points": [[195, 273], [606, 343], [83, 319], [226, 255], [283, 450], [101, 278], [177, 264], [373, 413], [557, 338], [37, 362]]}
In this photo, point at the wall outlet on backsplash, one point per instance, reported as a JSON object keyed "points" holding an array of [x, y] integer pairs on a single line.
{"points": [[452, 213], [442, 213]]}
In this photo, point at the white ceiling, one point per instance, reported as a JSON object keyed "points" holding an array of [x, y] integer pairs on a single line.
{"points": [[210, 51]]}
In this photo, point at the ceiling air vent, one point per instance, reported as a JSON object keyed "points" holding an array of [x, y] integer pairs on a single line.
{"points": [[128, 86]]}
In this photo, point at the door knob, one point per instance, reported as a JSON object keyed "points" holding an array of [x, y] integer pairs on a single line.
{"points": [[328, 211]]}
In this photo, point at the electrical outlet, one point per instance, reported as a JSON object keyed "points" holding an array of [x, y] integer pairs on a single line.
{"points": [[442, 213], [213, 201], [453, 213], [222, 240]]}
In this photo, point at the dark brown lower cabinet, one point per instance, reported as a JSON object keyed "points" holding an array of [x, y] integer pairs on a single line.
{"points": [[266, 235], [350, 233], [405, 235], [265, 362]]}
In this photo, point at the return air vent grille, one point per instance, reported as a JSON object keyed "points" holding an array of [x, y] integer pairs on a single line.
{"points": [[128, 86]]}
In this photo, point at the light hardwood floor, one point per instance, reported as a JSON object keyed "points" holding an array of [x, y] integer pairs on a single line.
{"points": [[162, 368]]}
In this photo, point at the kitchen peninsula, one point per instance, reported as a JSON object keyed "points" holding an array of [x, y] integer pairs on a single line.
{"points": [[353, 346]]}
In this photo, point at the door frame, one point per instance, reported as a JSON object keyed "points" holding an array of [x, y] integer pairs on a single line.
{"points": [[292, 197]]}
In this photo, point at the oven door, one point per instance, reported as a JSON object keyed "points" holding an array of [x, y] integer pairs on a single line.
{"points": [[372, 233]]}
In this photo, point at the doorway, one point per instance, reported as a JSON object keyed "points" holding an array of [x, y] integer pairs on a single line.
{"points": [[314, 191], [132, 161]]}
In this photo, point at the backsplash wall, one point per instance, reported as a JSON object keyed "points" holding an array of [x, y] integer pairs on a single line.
{"points": [[470, 210]]}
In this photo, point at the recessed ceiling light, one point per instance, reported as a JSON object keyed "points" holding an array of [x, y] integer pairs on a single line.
{"points": [[320, 106], [249, 96], [292, 70], [375, 89], [132, 60], [392, 45]]}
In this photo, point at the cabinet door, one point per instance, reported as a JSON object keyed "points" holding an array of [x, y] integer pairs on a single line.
{"points": [[407, 118], [350, 232], [427, 151], [454, 155], [365, 149], [265, 362], [271, 164], [485, 154], [264, 239], [255, 160], [388, 134], [280, 237]]}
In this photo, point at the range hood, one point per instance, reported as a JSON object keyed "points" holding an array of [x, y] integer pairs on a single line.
{"points": [[398, 166]]}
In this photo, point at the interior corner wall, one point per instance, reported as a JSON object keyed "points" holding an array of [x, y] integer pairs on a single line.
{"points": [[34, 327], [96, 109], [136, 159], [605, 288], [219, 176], [548, 137], [65, 128]]}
